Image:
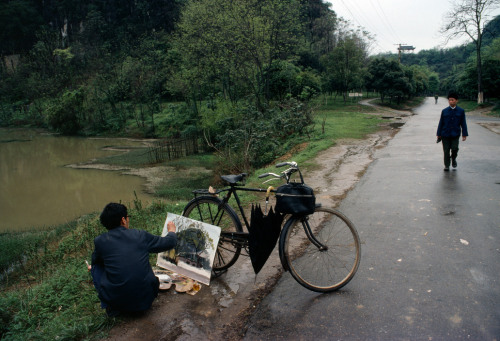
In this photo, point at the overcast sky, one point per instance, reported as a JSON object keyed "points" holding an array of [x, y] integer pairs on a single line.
{"points": [[393, 22]]}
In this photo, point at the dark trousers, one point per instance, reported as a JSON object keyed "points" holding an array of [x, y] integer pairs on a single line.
{"points": [[450, 149], [97, 272]]}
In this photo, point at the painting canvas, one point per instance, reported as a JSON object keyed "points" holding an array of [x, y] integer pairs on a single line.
{"points": [[195, 251]]}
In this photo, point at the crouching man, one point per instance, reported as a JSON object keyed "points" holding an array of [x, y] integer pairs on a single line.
{"points": [[120, 267]]}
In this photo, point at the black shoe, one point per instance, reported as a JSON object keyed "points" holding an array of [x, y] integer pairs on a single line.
{"points": [[446, 169], [111, 312], [454, 163]]}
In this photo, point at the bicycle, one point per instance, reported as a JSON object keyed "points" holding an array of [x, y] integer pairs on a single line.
{"points": [[322, 251]]}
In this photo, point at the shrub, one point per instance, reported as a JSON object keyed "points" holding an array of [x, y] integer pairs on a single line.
{"points": [[66, 114], [253, 138]]}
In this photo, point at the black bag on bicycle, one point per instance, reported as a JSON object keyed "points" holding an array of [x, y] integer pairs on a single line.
{"points": [[295, 198]]}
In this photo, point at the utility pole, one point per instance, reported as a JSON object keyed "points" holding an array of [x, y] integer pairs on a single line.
{"points": [[403, 47]]}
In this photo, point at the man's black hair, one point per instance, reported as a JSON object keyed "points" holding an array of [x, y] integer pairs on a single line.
{"points": [[452, 94], [112, 215]]}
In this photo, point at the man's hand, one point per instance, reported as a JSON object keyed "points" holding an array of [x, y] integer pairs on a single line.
{"points": [[464, 138], [171, 226]]}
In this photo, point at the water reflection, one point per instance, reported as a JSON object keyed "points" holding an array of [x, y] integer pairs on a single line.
{"points": [[37, 190]]}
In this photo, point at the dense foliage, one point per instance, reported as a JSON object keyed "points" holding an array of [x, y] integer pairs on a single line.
{"points": [[216, 68]]}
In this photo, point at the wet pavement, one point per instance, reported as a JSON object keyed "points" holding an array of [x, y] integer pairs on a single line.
{"points": [[430, 248]]}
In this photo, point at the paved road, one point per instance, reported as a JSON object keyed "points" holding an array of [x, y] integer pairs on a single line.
{"points": [[430, 267]]}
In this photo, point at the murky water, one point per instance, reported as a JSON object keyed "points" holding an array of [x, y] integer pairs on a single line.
{"points": [[37, 190]]}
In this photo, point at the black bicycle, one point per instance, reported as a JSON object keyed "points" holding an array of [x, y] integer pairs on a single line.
{"points": [[321, 250]]}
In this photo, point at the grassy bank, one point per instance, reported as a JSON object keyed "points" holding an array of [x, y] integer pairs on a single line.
{"points": [[47, 292]]}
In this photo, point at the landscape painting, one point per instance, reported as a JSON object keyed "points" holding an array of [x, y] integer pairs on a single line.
{"points": [[195, 251]]}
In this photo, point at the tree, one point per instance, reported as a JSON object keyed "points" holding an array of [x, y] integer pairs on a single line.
{"points": [[434, 83], [388, 78], [418, 76], [468, 18], [320, 23], [344, 64], [19, 21], [228, 45], [490, 68]]}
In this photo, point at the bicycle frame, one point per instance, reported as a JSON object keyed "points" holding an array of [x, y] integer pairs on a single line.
{"points": [[239, 239], [316, 235], [232, 190]]}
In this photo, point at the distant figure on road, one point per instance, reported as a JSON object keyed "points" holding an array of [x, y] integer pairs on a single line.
{"points": [[451, 124], [436, 98]]}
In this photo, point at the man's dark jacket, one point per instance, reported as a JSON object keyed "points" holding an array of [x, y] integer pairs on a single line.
{"points": [[452, 123], [128, 282]]}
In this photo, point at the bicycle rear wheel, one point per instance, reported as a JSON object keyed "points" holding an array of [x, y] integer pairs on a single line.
{"points": [[327, 258], [214, 211]]}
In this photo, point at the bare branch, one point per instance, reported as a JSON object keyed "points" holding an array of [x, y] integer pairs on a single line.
{"points": [[468, 18]]}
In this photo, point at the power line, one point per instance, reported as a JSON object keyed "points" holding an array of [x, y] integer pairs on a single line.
{"points": [[360, 15], [385, 20]]}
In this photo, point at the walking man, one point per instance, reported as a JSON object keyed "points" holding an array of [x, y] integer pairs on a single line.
{"points": [[452, 124]]}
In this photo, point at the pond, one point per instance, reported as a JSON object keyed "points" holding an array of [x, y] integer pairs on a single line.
{"points": [[38, 190]]}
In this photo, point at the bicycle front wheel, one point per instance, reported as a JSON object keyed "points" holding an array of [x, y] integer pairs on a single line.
{"points": [[214, 211], [321, 250]]}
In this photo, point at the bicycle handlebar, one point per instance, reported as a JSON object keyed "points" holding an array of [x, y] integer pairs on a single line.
{"points": [[270, 174], [285, 174], [291, 164]]}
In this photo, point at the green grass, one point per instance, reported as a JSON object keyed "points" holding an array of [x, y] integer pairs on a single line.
{"points": [[495, 112], [180, 188], [16, 246], [136, 157], [333, 121], [469, 106], [337, 121], [52, 296]]}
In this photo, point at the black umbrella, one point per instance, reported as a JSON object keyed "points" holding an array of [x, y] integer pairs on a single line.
{"points": [[264, 233]]}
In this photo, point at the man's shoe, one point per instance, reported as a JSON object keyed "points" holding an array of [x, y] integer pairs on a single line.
{"points": [[446, 169], [111, 312], [454, 163]]}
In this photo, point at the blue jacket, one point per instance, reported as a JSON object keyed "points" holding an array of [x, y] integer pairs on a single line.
{"points": [[128, 282], [452, 123]]}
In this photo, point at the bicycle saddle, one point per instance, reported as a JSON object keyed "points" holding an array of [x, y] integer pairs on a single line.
{"points": [[232, 179]]}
